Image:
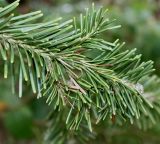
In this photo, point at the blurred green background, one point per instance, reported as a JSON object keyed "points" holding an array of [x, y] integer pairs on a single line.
{"points": [[22, 121]]}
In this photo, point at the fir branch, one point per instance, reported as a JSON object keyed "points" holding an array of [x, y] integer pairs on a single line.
{"points": [[75, 70]]}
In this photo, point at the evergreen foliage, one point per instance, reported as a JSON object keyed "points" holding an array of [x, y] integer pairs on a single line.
{"points": [[84, 79]]}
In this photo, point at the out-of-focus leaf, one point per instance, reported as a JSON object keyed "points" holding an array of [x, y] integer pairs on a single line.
{"points": [[19, 123]]}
